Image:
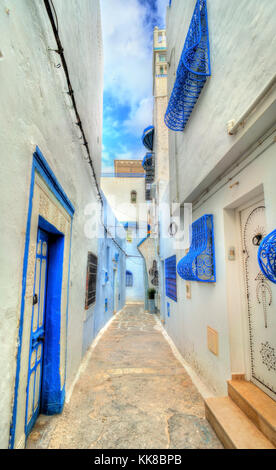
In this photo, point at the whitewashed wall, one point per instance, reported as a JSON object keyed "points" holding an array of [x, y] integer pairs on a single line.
{"points": [[35, 110], [118, 191], [242, 44]]}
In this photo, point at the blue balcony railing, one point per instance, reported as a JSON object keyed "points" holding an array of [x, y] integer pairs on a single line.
{"points": [[149, 167], [199, 263], [147, 138], [192, 72]]}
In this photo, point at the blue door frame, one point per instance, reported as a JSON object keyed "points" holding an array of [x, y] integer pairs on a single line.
{"points": [[49, 391]]}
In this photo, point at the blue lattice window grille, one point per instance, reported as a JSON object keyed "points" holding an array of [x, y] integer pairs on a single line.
{"points": [[192, 72], [170, 278], [267, 256], [199, 264], [129, 279]]}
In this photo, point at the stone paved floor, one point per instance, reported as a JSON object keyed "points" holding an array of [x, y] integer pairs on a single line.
{"points": [[133, 394]]}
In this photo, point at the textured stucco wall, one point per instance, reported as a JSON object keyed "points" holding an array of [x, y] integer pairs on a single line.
{"points": [[35, 110], [118, 191], [96, 316], [135, 264], [242, 44]]}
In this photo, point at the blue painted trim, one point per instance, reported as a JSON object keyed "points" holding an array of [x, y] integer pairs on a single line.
{"points": [[25, 266], [123, 175], [160, 48], [131, 224], [41, 166], [52, 396], [143, 240]]}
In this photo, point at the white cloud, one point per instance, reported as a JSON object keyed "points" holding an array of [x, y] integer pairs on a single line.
{"points": [[141, 116], [127, 50], [161, 12], [127, 41]]}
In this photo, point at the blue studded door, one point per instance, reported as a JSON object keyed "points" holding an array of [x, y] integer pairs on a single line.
{"points": [[37, 331]]}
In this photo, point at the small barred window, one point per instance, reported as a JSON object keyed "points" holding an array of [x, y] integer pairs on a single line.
{"points": [[91, 280], [133, 197], [129, 279]]}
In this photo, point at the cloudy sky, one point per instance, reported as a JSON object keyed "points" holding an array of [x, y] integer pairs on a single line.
{"points": [[127, 36]]}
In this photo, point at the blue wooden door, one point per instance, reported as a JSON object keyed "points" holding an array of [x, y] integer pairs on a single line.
{"points": [[37, 331]]}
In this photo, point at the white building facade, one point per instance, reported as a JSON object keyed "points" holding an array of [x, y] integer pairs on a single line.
{"points": [[51, 125], [222, 161]]}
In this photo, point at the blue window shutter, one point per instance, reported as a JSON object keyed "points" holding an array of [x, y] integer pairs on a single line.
{"points": [[170, 278]]}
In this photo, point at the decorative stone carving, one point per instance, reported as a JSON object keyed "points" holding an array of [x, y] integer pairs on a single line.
{"points": [[44, 205], [31, 270]]}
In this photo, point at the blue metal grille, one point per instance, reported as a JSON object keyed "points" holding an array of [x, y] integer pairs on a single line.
{"points": [[149, 166], [193, 70], [147, 161], [147, 137], [267, 256], [199, 263], [170, 278]]}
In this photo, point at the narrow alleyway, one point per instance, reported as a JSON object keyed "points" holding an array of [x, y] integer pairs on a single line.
{"points": [[133, 394]]}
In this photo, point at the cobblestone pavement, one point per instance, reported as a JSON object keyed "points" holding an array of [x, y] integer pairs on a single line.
{"points": [[133, 394]]}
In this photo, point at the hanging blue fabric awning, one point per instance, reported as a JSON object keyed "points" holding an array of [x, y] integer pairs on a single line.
{"points": [[199, 263], [267, 256], [147, 137], [193, 70]]}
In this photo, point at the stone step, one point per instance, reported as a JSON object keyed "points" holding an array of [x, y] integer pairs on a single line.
{"points": [[258, 406], [232, 426]]}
